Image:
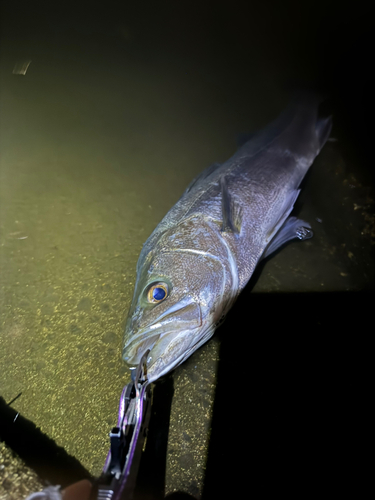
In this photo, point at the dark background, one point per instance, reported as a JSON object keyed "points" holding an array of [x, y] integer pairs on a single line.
{"points": [[326, 45]]}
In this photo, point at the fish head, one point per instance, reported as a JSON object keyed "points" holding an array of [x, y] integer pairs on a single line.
{"points": [[175, 308]]}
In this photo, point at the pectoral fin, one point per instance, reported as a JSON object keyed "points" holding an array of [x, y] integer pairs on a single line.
{"points": [[231, 211], [291, 229]]}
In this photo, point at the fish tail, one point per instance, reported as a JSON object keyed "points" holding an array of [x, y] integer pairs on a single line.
{"points": [[320, 103], [323, 128]]}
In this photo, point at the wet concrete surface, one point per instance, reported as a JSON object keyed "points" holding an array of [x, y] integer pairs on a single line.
{"points": [[99, 138]]}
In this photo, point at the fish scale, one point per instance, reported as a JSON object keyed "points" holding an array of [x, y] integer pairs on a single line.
{"points": [[208, 245]]}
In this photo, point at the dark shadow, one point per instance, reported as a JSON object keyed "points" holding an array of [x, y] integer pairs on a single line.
{"points": [[349, 80], [151, 475], [291, 398], [39, 452]]}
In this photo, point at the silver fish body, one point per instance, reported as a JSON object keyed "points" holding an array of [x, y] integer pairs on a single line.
{"points": [[204, 251]]}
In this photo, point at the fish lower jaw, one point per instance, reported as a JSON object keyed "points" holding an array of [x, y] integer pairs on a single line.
{"points": [[158, 369], [160, 344], [133, 352]]}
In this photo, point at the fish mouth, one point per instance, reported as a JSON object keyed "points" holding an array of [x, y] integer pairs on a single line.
{"points": [[167, 351], [134, 350], [176, 322], [157, 344]]}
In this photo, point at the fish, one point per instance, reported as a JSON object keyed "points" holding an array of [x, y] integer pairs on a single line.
{"points": [[202, 254]]}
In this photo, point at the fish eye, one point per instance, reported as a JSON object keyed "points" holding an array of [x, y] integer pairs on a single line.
{"points": [[157, 292]]}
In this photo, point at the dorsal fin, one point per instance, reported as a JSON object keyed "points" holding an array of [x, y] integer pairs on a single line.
{"points": [[203, 175]]}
